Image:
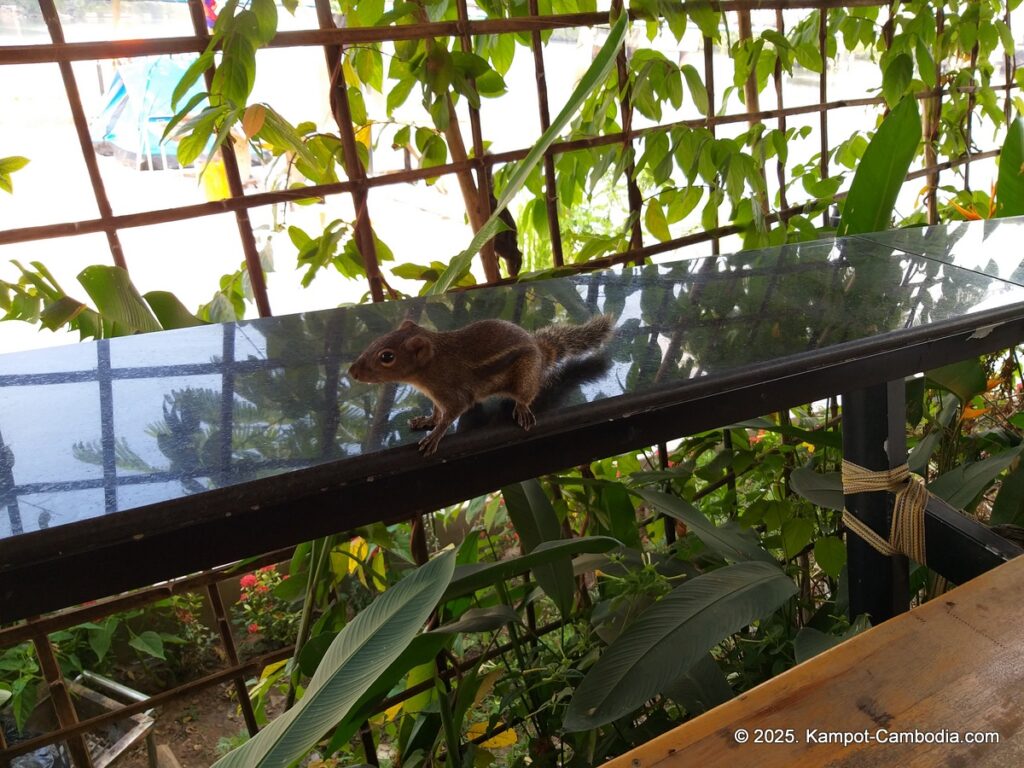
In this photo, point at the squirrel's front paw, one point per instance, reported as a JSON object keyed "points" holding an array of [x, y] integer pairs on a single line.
{"points": [[429, 443], [422, 422], [524, 416]]}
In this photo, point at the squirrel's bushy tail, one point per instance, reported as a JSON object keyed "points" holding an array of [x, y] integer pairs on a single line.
{"points": [[561, 341]]}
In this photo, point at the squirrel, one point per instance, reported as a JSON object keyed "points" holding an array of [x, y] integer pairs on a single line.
{"points": [[457, 369]]}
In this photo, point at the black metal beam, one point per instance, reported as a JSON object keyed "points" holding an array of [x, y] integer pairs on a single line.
{"points": [[961, 548], [879, 585]]}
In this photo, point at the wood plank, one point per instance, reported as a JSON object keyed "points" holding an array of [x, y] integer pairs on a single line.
{"points": [[952, 667]]}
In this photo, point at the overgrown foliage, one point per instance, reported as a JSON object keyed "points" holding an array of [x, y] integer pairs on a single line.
{"points": [[583, 613]]}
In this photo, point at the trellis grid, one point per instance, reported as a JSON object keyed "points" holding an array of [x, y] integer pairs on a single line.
{"points": [[478, 164]]}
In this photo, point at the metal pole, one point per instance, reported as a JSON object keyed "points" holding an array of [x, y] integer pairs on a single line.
{"points": [[872, 420]]}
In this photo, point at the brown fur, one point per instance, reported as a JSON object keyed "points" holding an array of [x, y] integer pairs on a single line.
{"points": [[457, 369]]}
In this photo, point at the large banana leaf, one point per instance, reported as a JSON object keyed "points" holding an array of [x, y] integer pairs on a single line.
{"points": [[882, 171], [358, 656], [117, 300], [592, 78], [961, 485], [1010, 186], [469, 578], [536, 522], [671, 636], [730, 541]]}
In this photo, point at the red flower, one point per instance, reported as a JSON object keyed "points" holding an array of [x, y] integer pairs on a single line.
{"points": [[268, 568], [262, 588], [243, 597], [254, 628], [247, 581]]}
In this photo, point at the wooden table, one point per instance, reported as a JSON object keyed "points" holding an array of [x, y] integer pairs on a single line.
{"points": [[952, 667]]}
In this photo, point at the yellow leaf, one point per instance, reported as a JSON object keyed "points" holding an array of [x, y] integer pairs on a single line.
{"points": [[272, 668], [504, 739], [993, 383], [351, 78], [252, 120], [486, 686], [421, 700], [364, 137], [215, 180], [379, 568]]}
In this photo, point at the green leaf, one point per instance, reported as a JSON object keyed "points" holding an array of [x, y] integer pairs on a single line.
{"points": [[698, 92], [535, 521], [656, 222], [12, 164], [702, 687], [897, 77], [592, 78], [809, 642], [63, 310], [797, 533], [361, 652], [399, 93], [882, 170], [234, 78], [1010, 185], [117, 300], [314, 650], [964, 379], [922, 452], [202, 63], [819, 438], [470, 578], [961, 485], [421, 651], [100, 637], [830, 555], [25, 695], [481, 620], [727, 540], [682, 204], [182, 113], [149, 643], [671, 636], [1008, 508], [169, 310], [823, 489], [925, 63], [266, 19]]}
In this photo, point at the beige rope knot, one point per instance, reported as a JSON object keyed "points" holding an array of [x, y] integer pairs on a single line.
{"points": [[906, 535]]}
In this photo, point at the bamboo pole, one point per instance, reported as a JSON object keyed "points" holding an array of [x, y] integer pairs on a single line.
{"points": [[81, 123], [550, 182], [38, 54], [253, 265], [342, 112]]}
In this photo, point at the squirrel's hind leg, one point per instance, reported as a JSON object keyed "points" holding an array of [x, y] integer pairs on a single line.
{"points": [[524, 416], [525, 384]]}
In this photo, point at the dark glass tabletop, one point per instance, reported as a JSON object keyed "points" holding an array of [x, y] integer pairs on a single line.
{"points": [[239, 436]]}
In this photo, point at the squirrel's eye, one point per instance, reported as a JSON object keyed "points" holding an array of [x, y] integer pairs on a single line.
{"points": [[387, 357]]}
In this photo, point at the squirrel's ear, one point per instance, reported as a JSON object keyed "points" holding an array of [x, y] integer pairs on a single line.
{"points": [[421, 348], [407, 325]]}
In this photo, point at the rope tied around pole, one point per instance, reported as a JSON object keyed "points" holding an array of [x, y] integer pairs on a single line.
{"points": [[906, 535]]}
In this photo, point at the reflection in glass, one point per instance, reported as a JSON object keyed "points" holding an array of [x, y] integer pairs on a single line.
{"points": [[167, 415]]}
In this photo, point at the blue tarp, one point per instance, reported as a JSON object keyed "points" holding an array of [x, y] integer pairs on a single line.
{"points": [[138, 108]]}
